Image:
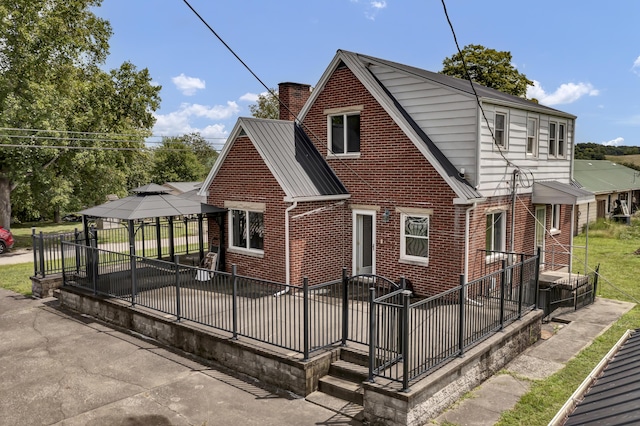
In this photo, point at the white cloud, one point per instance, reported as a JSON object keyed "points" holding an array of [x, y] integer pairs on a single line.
{"points": [[614, 142], [188, 85], [373, 8], [181, 121], [636, 66], [249, 97], [565, 94]]}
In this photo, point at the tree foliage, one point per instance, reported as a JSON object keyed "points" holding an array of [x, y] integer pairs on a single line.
{"points": [[50, 80], [488, 67], [267, 106], [183, 159], [596, 151]]}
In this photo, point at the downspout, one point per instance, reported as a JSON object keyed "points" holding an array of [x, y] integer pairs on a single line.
{"points": [[514, 195], [467, 233], [287, 250]]}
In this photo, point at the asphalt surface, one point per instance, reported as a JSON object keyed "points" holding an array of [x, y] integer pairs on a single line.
{"points": [[57, 367]]}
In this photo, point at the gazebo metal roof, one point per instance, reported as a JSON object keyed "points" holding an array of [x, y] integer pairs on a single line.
{"points": [[150, 201]]}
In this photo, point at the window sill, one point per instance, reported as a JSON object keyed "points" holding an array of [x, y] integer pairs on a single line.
{"points": [[417, 262], [553, 232], [246, 252], [354, 155]]}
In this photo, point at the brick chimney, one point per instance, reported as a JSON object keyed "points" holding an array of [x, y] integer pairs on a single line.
{"points": [[293, 96]]}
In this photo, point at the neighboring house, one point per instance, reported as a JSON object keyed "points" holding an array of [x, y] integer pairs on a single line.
{"points": [[392, 170], [609, 181]]}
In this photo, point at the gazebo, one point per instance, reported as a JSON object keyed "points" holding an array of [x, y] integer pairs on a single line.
{"points": [[155, 202]]}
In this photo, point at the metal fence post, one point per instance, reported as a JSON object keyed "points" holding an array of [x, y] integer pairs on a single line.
{"points": [[42, 271], [305, 313], [537, 274], [64, 275], [177, 266], [503, 279], [186, 233], [76, 238], [94, 267], [372, 332], [234, 301], [35, 251], [521, 286], [405, 339], [461, 319], [345, 306]]}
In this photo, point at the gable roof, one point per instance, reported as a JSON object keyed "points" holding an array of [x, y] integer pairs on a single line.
{"points": [[603, 176], [358, 64], [610, 394], [291, 157]]}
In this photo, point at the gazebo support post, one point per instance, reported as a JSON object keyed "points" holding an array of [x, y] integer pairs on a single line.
{"points": [[132, 257], [200, 238], [172, 253], [158, 238]]}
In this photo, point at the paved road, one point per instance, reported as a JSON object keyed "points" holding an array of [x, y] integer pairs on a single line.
{"points": [[13, 257], [60, 368]]}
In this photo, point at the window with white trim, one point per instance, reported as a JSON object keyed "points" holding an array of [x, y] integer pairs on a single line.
{"points": [[555, 217], [344, 133], [532, 136], [500, 129], [557, 139], [495, 232], [247, 230], [414, 243]]}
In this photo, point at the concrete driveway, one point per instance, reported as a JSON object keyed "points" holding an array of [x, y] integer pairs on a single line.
{"points": [[57, 367]]}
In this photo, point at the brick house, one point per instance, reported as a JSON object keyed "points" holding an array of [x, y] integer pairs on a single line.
{"points": [[393, 170]]}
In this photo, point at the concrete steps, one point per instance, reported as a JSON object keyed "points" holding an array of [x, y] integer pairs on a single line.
{"points": [[341, 390]]}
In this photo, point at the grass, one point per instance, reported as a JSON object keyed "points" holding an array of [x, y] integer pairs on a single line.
{"points": [[629, 159], [22, 232], [612, 246], [16, 278]]}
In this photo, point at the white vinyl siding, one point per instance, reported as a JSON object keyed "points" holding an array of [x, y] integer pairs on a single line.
{"points": [[493, 178], [449, 118]]}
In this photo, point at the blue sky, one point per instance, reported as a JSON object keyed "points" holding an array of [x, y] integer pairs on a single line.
{"points": [[583, 56]]}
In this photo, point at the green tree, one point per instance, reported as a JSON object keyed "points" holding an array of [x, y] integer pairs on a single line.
{"points": [[175, 161], [50, 80], [267, 106], [488, 67], [204, 152]]}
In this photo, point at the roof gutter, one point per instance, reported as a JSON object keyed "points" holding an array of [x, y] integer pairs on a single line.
{"points": [[313, 198], [532, 107]]}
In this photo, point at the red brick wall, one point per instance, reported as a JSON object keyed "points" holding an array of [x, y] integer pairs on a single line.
{"points": [[245, 177], [391, 173], [292, 98]]}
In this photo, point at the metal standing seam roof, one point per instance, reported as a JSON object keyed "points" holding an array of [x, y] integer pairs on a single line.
{"points": [[464, 86], [290, 156], [614, 397], [603, 176]]}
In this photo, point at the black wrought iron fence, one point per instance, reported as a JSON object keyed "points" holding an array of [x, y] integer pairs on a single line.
{"points": [[573, 292], [151, 239], [413, 339]]}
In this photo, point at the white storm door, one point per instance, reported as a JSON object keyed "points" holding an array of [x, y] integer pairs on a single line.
{"points": [[364, 238]]}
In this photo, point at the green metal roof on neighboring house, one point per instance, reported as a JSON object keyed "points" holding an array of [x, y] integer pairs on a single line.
{"points": [[603, 176]]}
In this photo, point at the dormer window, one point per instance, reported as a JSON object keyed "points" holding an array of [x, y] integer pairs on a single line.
{"points": [[532, 136]]}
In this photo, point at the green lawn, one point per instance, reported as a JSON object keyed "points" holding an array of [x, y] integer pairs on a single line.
{"points": [[16, 277], [22, 232]]}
